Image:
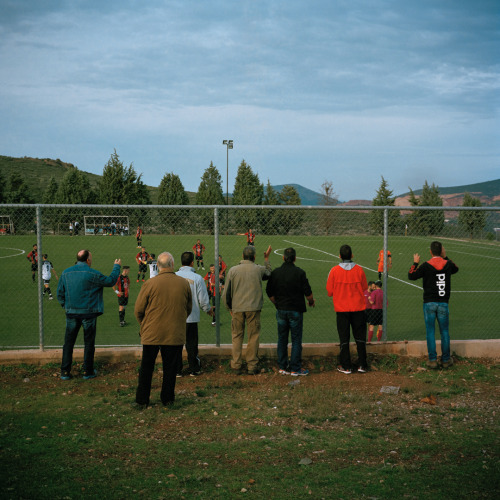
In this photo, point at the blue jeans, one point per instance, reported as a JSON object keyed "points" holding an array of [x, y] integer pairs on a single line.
{"points": [[439, 311], [89, 331], [289, 321]]}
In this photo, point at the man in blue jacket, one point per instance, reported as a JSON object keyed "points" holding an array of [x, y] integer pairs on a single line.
{"points": [[80, 293]]}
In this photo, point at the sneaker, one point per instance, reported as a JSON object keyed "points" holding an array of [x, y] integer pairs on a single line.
{"points": [[341, 369], [362, 369], [122, 323], [302, 371], [88, 376], [203, 268], [51, 298], [447, 364], [143, 281], [254, 371], [433, 365], [195, 374], [66, 376], [179, 375], [283, 372], [137, 281], [213, 323], [238, 371]]}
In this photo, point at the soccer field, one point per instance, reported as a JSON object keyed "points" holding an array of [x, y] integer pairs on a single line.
{"points": [[474, 302]]}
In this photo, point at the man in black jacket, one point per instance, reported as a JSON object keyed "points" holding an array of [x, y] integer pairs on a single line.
{"points": [[436, 274], [286, 289]]}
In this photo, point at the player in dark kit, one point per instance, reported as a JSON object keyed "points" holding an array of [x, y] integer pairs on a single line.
{"points": [[142, 259], [138, 236], [121, 289], [33, 258], [198, 250]]}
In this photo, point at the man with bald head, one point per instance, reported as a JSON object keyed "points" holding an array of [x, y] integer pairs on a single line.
{"points": [[162, 308], [80, 293]]}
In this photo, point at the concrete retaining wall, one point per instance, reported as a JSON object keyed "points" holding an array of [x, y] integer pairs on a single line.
{"points": [[464, 348]]}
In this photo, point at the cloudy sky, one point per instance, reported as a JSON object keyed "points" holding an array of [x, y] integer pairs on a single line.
{"points": [[340, 90]]}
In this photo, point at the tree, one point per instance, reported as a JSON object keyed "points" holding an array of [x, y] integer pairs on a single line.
{"points": [[473, 221], [171, 192], [209, 193], [49, 198], [17, 190], [426, 221], [120, 185], [2, 188], [290, 219], [384, 198], [75, 189], [247, 191], [269, 216], [328, 198]]}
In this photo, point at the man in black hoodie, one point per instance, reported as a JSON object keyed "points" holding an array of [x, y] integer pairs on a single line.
{"points": [[436, 274]]}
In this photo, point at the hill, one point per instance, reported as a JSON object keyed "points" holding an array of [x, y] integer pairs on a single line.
{"points": [[307, 196]]}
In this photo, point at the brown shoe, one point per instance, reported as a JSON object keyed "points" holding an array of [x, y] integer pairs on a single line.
{"points": [[433, 365], [448, 364]]}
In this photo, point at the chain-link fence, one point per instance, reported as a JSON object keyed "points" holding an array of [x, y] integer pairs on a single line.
{"points": [[391, 235]]}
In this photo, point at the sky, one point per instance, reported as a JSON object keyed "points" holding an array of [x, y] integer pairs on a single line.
{"points": [[309, 91]]}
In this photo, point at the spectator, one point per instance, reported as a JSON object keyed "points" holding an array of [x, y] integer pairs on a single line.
{"points": [[80, 293], [162, 308], [200, 301], [346, 284], [243, 297], [436, 274], [286, 289]]}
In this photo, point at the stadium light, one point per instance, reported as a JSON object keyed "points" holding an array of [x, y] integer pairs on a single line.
{"points": [[229, 145]]}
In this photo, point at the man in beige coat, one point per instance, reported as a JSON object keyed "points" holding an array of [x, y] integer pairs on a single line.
{"points": [[243, 297], [162, 307]]}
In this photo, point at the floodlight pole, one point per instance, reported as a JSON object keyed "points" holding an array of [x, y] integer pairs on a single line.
{"points": [[229, 145]]}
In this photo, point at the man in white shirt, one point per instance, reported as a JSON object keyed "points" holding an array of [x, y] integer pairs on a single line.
{"points": [[47, 270], [200, 302], [153, 265]]}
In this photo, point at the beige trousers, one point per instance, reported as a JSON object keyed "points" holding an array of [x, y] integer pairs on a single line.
{"points": [[253, 332]]}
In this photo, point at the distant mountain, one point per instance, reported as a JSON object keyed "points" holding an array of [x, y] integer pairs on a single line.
{"points": [[307, 196]]}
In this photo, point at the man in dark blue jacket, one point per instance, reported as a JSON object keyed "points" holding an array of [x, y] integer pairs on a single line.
{"points": [[80, 293], [436, 274]]}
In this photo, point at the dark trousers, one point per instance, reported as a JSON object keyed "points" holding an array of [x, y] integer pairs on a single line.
{"points": [[191, 349], [357, 321], [170, 355], [89, 331]]}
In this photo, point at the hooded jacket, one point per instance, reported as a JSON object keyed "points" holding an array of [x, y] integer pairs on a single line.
{"points": [[346, 284], [436, 274]]}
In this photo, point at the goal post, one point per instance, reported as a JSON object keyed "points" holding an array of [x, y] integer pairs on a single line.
{"points": [[6, 225], [106, 225]]}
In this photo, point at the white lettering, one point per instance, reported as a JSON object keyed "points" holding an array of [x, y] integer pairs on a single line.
{"points": [[441, 284]]}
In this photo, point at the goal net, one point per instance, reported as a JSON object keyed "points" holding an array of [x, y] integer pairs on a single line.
{"points": [[106, 225], [6, 225]]}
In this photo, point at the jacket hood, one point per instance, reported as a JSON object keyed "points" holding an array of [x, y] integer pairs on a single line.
{"points": [[347, 266], [437, 263]]}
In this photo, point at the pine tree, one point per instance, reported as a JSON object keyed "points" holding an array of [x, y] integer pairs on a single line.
{"points": [[171, 192], [290, 219], [328, 198], [384, 198], [120, 185], [2, 188], [75, 189], [473, 221], [425, 222], [269, 216], [247, 191], [50, 195], [209, 193], [17, 190]]}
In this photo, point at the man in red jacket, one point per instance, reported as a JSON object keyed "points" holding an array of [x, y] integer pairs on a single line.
{"points": [[346, 284]]}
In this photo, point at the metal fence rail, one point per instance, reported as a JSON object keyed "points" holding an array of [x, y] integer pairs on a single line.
{"points": [[470, 236]]}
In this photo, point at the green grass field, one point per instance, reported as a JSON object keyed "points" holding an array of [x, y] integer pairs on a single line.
{"points": [[473, 306]]}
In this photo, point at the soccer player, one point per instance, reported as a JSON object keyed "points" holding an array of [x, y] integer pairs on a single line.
{"points": [[47, 270], [250, 237], [380, 262], [210, 282], [33, 258], [366, 293], [222, 271], [142, 259], [138, 236], [198, 250], [121, 289], [153, 266], [376, 299]]}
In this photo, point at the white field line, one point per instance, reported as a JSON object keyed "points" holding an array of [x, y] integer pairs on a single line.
{"points": [[13, 255], [370, 269], [460, 243]]}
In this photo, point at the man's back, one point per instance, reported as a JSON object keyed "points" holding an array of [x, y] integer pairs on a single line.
{"points": [[289, 285], [346, 284]]}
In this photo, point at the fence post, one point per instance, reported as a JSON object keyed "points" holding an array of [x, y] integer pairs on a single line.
{"points": [[216, 261], [384, 283], [39, 281]]}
